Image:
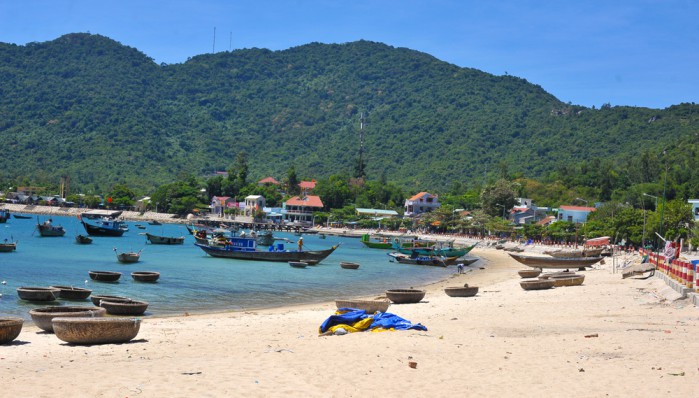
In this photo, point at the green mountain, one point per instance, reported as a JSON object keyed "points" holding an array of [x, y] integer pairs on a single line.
{"points": [[100, 112]]}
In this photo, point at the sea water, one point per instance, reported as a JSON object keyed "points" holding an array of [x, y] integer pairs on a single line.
{"points": [[190, 280]]}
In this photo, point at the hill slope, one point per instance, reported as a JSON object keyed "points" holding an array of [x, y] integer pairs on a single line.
{"points": [[88, 107]]}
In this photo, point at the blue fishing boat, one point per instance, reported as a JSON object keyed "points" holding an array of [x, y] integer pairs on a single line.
{"points": [[102, 223], [245, 248]]}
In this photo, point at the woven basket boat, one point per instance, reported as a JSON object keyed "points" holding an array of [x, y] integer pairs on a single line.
{"points": [[43, 316], [106, 330], [537, 284], [105, 276], [405, 296], [348, 265], [97, 298], [124, 307], [10, 329], [370, 306], [461, 291], [73, 293], [37, 293], [145, 276], [529, 273]]}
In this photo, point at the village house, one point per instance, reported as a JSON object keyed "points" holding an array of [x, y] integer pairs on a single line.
{"points": [[420, 203], [220, 203], [300, 209], [574, 214], [252, 204]]}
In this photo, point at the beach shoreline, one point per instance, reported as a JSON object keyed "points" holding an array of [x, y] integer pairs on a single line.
{"points": [[599, 339]]}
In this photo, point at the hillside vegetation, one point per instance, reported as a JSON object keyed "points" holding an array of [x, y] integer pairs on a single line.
{"points": [[103, 113]]}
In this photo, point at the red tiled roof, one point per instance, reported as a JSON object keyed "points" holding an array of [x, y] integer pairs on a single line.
{"points": [[222, 198], [419, 195], [307, 184], [308, 201], [577, 208], [268, 180], [546, 220]]}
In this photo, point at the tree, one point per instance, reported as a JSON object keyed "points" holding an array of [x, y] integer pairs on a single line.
{"points": [[499, 194]]}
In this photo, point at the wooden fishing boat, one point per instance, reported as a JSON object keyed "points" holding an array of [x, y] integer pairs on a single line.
{"points": [[554, 262], [370, 306], [37, 293], [446, 250], [379, 241], [245, 248], [47, 229], [7, 247], [154, 222], [83, 239], [298, 264], [21, 217], [537, 284], [436, 261], [164, 240], [130, 307], [4, 215], [104, 227], [96, 299], [461, 291], [128, 257], [586, 252]]}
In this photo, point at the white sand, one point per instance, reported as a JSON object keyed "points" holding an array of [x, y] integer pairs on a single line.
{"points": [[505, 342]]}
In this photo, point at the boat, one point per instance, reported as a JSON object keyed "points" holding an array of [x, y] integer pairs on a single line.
{"points": [[349, 265], [447, 250], [298, 264], [128, 257], [145, 276], [21, 216], [380, 242], [43, 316], [37, 293], [586, 252], [555, 262], [370, 306], [104, 276], [537, 284], [10, 328], [437, 261], [245, 248], [130, 307], [154, 222], [100, 330], [72, 293], [4, 215], [103, 227], [47, 228], [164, 240], [83, 239], [405, 296], [7, 247], [461, 291]]}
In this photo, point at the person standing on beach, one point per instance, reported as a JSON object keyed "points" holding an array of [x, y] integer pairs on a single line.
{"points": [[300, 243]]}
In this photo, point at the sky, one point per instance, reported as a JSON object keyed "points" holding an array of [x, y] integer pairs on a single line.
{"points": [[586, 52]]}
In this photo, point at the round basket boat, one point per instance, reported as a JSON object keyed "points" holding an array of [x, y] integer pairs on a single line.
{"points": [[567, 280], [124, 307], [562, 274], [97, 298], [370, 306], [465, 291], [73, 293], [405, 296], [9, 329], [37, 293], [536, 284], [105, 276], [43, 316], [348, 265], [105, 330], [529, 273], [145, 276]]}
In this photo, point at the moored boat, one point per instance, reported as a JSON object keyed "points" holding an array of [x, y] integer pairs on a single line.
{"points": [[349, 265], [6, 246], [245, 248], [83, 239], [47, 228], [164, 240], [128, 257], [446, 249]]}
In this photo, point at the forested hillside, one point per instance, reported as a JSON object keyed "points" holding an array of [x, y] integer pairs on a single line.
{"points": [[102, 113]]}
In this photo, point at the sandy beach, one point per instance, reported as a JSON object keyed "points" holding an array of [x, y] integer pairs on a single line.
{"points": [[609, 337]]}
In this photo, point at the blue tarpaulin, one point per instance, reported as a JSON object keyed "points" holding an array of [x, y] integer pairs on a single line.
{"points": [[383, 320]]}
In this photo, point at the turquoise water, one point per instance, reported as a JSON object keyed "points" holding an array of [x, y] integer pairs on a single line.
{"points": [[190, 281]]}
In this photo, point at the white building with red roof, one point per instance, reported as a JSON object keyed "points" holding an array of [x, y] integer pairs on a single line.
{"points": [[301, 208], [221, 203], [419, 203]]}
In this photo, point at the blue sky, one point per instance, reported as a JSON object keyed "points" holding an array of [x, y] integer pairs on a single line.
{"points": [[622, 52]]}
